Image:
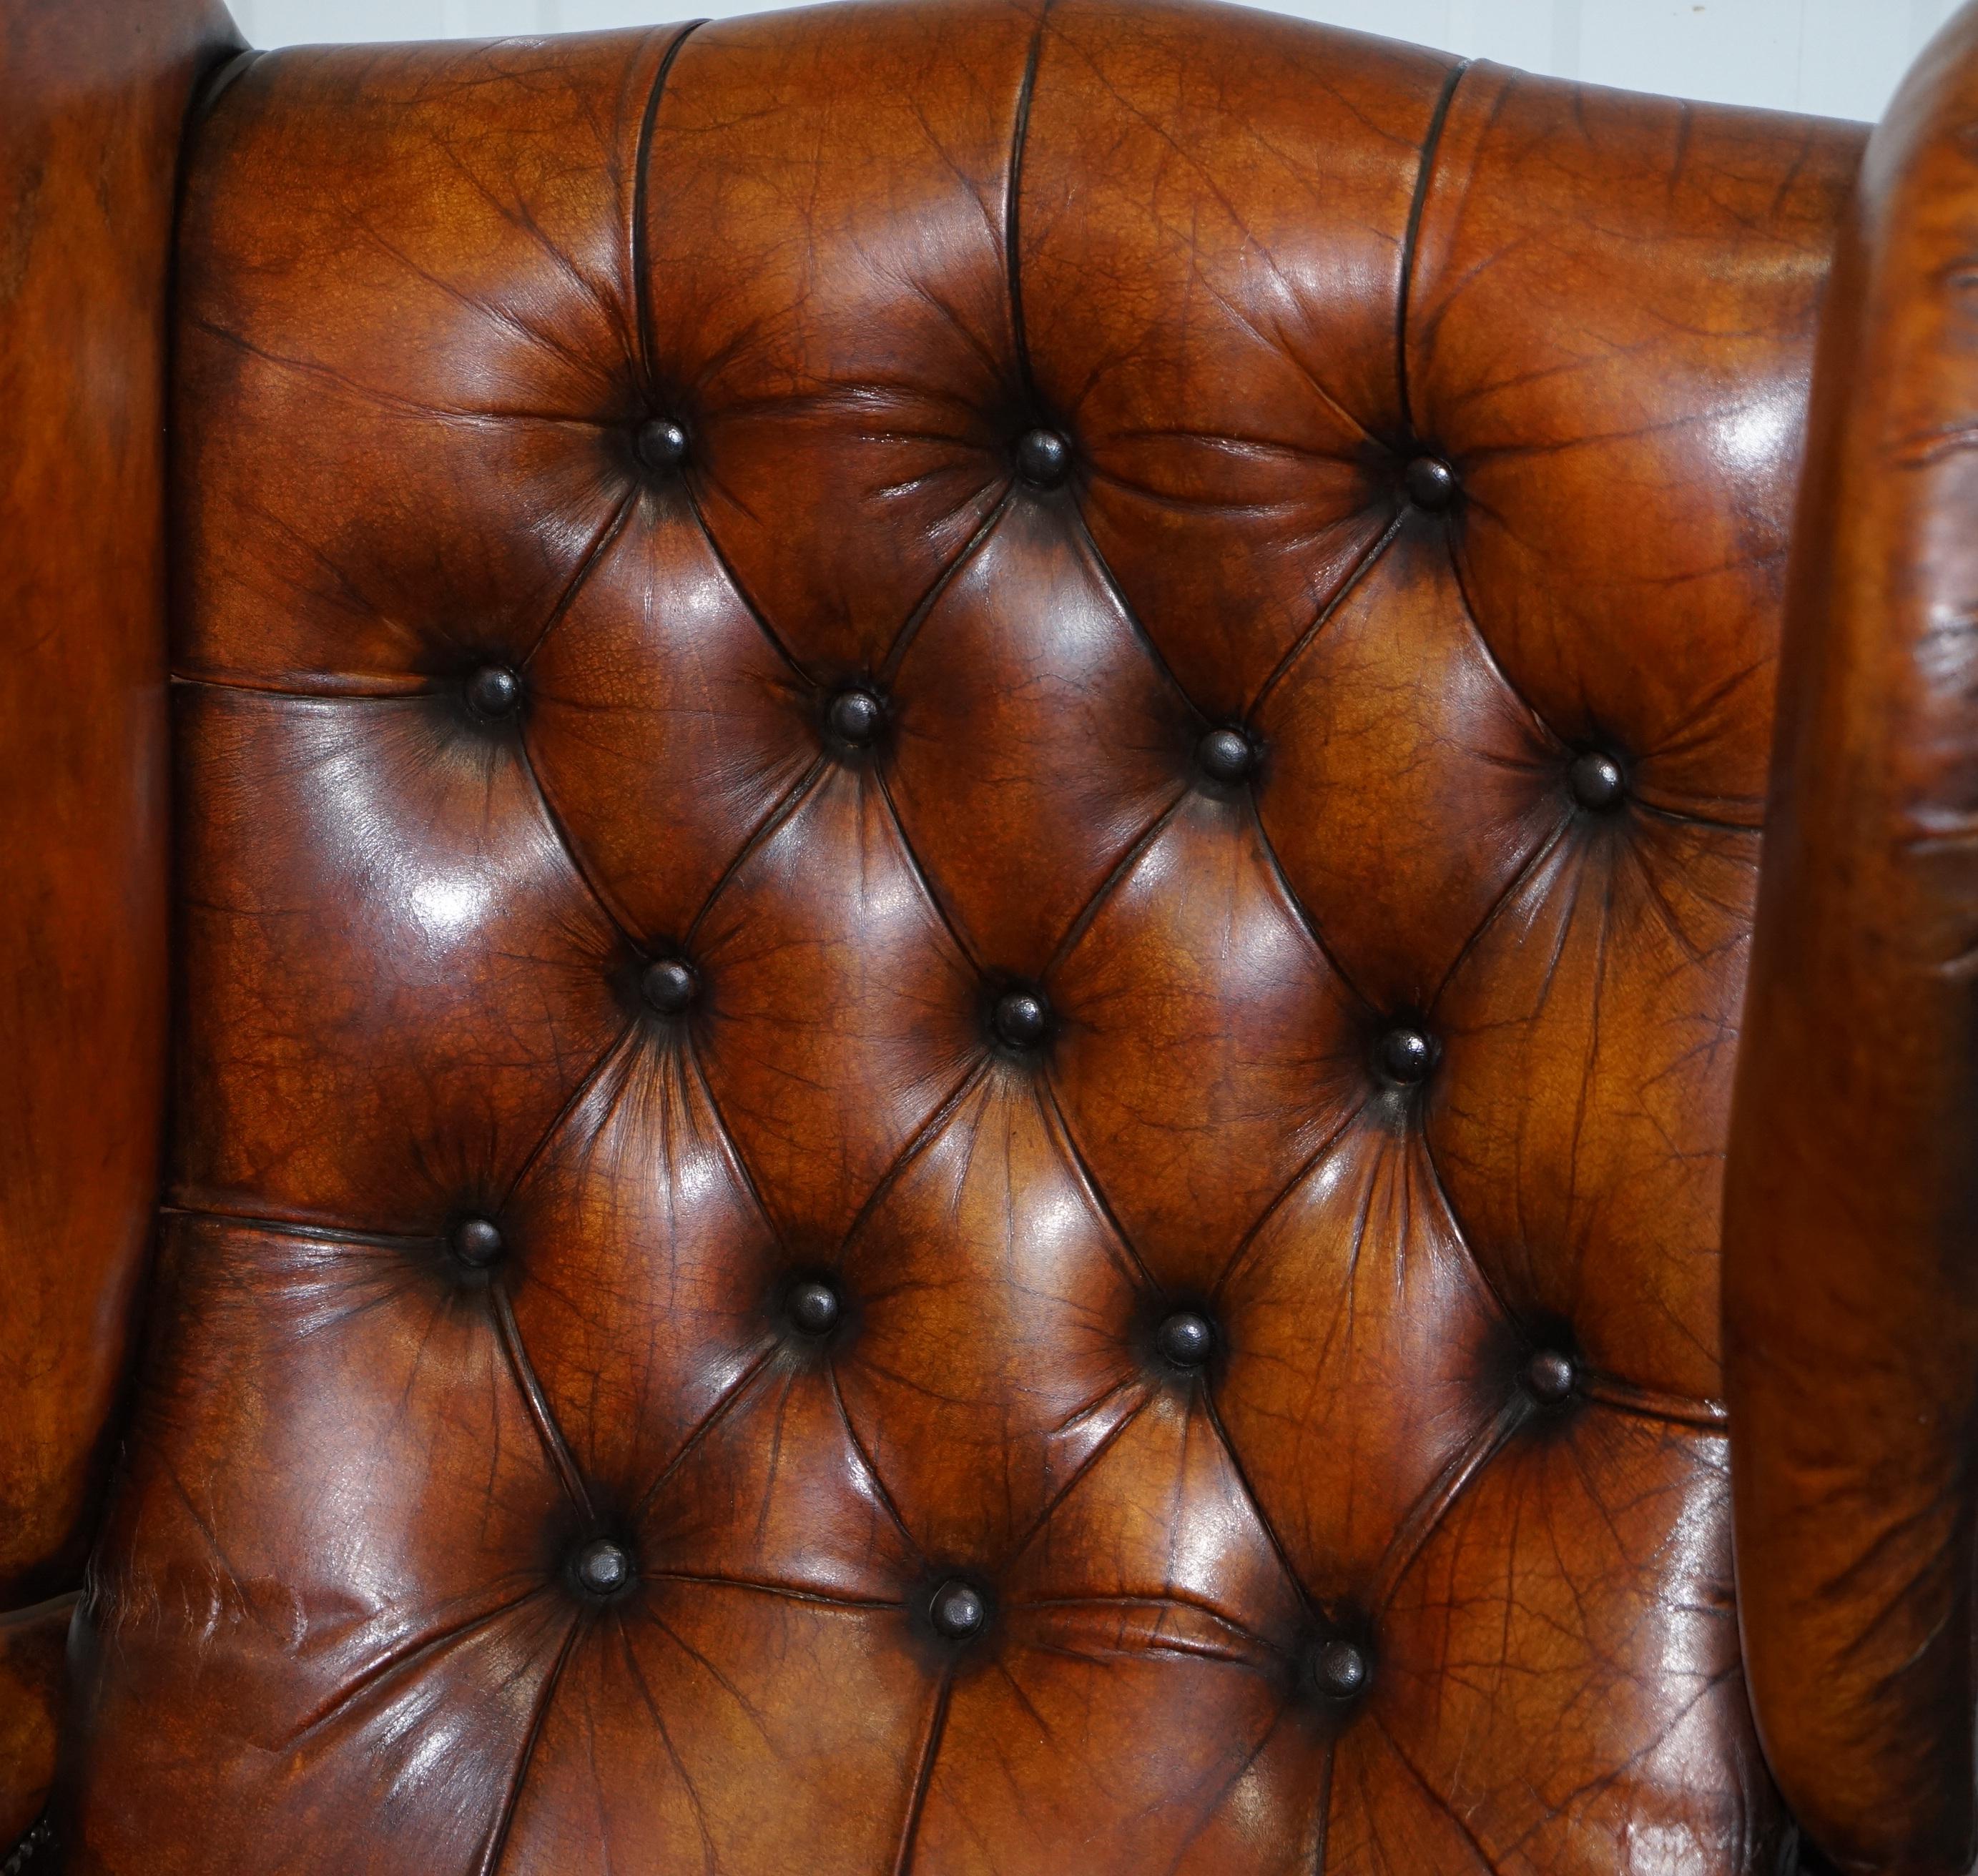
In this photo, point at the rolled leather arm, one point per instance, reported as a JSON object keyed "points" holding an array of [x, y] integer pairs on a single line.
{"points": [[93, 98], [1851, 1245]]}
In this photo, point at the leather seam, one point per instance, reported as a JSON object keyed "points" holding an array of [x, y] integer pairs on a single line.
{"points": [[722, 1408], [593, 889], [1135, 625], [732, 575], [563, 1461], [1240, 1473], [1411, 239], [1307, 923], [606, 540], [1129, 857], [637, 257], [775, 817], [1056, 1122], [498, 1845], [1358, 572], [924, 879], [585, 1082], [872, 1471], [903, 1859], [917, 617]]}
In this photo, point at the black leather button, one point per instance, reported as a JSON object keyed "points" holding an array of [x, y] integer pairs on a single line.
{"points": [[1430, 483], [477, 1242], [1597, 781], [494, 690], [601, 1568], [1550, 1377], [957, 1610], [669, 984], [1405, 1054], [1021, 1018], [1226, 755], [1339, 1669], [1186, 1339], [660, 443], [856, 716], [1042, 456], [813, 1307]]}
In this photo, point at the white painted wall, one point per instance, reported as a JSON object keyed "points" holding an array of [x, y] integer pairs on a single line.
{"points": [[1838, 57]]}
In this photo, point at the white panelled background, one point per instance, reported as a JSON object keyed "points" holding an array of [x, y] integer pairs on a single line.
{"points": [[1841, 57]]}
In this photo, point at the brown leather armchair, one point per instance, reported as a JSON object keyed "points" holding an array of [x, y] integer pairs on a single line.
{"points": [[939, 942]]}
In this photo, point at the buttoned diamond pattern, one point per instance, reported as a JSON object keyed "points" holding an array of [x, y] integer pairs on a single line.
{"points": [[414, 943]]}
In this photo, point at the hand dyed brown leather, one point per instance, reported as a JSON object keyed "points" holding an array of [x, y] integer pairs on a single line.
{"points": [[92, 105], [968, 806], [1852, 1208]]}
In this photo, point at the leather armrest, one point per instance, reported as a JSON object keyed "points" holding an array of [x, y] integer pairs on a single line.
{"points": [[1851, 1251]]}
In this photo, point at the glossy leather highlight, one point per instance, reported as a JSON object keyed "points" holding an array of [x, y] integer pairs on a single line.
{"points": [[93, 101], [932, 1113], [1851, 1206]]}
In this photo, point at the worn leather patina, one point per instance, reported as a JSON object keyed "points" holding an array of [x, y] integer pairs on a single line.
{"points": [[967, 815]]}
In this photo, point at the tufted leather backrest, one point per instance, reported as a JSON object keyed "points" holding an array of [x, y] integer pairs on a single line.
{"points": [[968, 809]]}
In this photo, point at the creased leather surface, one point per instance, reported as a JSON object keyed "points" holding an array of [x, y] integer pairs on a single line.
{"points": [[91, 105], [1851, 1203], [92, 102], [1251, 272]]}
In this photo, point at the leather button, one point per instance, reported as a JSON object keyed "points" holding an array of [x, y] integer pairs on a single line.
{"points": [[814, 1308], [1186, 1339], [1405, 1054], [601, 1568], [1021, 1018], [1226, 755], [494, 690], [1550, 1377], [1430, 483], [1597, 781], [477, 1242], [669, 984], [660, 443], [855, 718], [1339, 1669], [1042, 457], [957, 1610]]}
